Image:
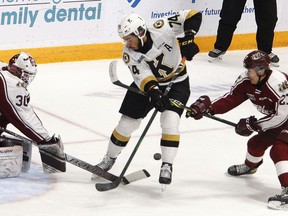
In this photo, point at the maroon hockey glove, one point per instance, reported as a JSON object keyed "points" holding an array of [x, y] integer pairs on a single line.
{"points": [[159, 101], [246, 126], [203, 104]]}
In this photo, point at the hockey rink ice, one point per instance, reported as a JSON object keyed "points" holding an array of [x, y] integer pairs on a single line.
{"points": [[78, 101]]}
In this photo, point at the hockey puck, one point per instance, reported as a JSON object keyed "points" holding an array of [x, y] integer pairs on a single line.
{"points": [[157, 156]]}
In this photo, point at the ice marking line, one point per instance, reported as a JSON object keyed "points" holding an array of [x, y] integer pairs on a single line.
{"points": [[72, 123], [151, 135]]}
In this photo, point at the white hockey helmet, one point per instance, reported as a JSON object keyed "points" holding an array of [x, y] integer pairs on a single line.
{"points": [[23, 66], [132, 24]]}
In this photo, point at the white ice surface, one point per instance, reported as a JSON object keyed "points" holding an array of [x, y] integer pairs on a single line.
{"points": [[78, 101]]}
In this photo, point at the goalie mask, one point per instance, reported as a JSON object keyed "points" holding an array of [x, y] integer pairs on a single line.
{"points": [[23, 66], [257, 59], [132, 24]]}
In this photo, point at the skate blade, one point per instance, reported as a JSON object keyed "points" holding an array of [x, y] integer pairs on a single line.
{"points": [[163, 187], [276, 205], [211, 60], [274, 64]]}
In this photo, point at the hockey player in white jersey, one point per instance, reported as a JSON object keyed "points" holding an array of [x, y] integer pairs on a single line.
{"points": [[16, 110], [152, 54]]}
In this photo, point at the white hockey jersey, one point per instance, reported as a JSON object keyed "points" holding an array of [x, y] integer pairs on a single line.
{"points": [[161, 61]]}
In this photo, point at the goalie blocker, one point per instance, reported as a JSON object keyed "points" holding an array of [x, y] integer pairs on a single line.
{"points": [[52, 155]]}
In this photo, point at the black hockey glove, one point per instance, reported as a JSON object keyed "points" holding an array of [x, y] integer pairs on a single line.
{"points": [[159, 101], [246, 126], [187, 46], [203, 104]]}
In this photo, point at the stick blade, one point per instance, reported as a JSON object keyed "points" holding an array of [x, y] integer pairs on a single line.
{"points": [[112, 71], [135, 176]]}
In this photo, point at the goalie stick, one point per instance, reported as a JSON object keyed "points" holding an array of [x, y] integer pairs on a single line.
{"points": [[114, 79], [132, 177], [115, 184], [135, 176]]}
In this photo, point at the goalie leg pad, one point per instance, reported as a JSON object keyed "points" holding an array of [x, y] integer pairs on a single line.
{"points": [[27, 150], [27, 154], [10, 161]]}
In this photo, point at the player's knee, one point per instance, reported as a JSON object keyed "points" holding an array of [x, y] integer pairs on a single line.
{"points": [[283, 136], [127, 125], [279, 151], [170, 122], [10, 160]]}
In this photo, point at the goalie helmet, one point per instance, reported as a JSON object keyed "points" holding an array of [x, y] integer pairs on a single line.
{"points": [[23, 66], [132, 24], [257, 58]]}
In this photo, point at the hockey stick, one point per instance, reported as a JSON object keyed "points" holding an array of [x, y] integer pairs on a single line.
{"points": [[114, 79], [115, 184], [176, 103], [220, 119], [135, 176], [132, 177]]}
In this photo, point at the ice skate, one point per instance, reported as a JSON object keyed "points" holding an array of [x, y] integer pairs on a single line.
{"points": [[242, 169], [274, 59], [165, 176], [106, 164], [216, 55], [279, 202]]}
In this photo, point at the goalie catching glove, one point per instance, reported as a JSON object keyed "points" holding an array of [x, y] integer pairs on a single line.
{"points": [[159, 100], [187, 46], [246, 126], [52, 155], [202, 105]]}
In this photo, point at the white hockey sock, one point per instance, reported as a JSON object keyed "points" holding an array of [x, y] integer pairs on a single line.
{"points": [[168, 154]]}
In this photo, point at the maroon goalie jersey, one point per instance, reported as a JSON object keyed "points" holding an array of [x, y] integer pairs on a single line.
{"points": [[270, 97], [15, 107]]}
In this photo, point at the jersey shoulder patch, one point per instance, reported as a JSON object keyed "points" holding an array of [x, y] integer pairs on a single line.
{"points": [[126, 57], [158, 24]]}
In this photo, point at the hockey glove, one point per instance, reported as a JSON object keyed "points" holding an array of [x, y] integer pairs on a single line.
{"points": [[50, 140], [159, 101], [52, 155], [203, 104], [246, 126], [187, 46]]}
